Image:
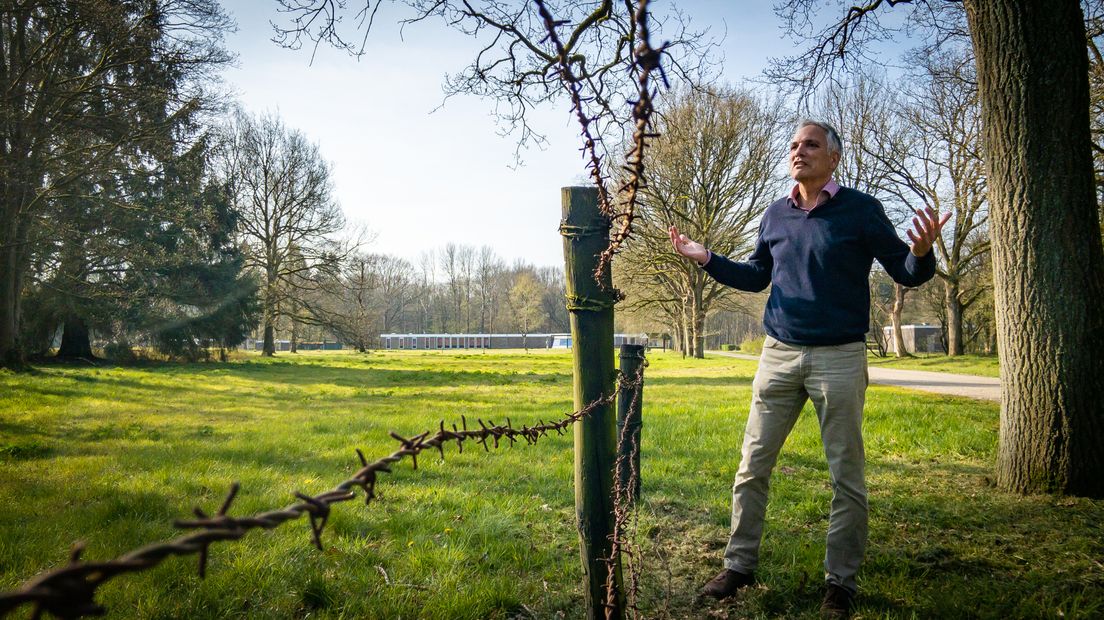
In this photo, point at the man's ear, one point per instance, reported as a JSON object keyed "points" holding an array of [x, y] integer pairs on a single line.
{"points": [[835, 160]]}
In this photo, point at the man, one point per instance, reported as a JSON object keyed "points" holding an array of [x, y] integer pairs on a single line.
{"points": [[816, 246]]}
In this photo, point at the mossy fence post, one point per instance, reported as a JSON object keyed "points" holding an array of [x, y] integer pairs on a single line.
{"points": [[629, 404], [585, 235]]}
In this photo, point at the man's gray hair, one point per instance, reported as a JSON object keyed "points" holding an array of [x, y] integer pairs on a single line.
{"points": [[834, 142]]}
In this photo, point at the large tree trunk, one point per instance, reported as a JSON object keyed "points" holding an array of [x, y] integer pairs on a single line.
{"points": [[698, 313], [895, 319], [269, 347], [14, 256], [1048, 266], [10, 355], [953, 306], [687, 339], [75, 341]]}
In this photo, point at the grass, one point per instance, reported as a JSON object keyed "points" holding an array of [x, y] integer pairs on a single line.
{"points": [[111, 456], [982, 365]]}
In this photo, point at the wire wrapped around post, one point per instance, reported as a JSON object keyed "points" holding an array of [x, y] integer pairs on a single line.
{"points": [[629, 421], [590, 302]]}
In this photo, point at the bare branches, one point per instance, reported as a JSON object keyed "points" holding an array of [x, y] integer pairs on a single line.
{"points": [[845, 42], [572, 83], [518, 66], [710, 170], [281, 187], [646, 59]]}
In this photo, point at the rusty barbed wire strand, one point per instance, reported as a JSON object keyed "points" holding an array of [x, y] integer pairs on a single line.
{"points": [[571, 82], [645, 60], [69, 591], [623, 511]]}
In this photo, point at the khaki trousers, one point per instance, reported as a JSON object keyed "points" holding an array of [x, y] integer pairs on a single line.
{"points": [[835, 379]]}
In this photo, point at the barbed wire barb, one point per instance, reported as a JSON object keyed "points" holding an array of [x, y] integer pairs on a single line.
{"points": [[69, 591]]}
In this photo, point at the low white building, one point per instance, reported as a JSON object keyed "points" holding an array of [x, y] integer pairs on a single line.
{"points": [[492, 341], [921, 338]]}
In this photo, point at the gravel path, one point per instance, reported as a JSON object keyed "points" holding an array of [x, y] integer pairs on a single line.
{"points": [[972, 386]]}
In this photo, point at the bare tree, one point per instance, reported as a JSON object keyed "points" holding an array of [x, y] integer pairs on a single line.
{"points": [[457, 263], [712, 170], [944, 168], [281, 187], [488, 276], [348, 306], [919, 145], [1094, 36], [552, 280], [882, 289], [1047, 256], [428, 305], [525, 300], [866, 111], [396, 291]]}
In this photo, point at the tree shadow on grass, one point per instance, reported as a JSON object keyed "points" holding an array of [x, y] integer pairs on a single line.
{"points": [[298, 375], [692, 382], [75, 387]]}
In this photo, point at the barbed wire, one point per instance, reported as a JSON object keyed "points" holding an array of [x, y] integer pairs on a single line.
{"points": [[646, 59], [70, 591], [574, 90], [623, 509]]}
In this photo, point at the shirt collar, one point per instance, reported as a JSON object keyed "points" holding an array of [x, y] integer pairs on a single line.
{"points": [[831, 188]]}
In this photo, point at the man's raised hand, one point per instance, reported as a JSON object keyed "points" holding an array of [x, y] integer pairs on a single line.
{"points": [[688, 248], [927, 225]]}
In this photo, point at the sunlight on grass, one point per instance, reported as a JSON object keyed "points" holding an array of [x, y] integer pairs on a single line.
{"points": [[112, 455], [982, 365]]}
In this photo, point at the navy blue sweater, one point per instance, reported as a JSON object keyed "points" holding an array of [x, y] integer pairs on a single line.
{"points": [[819, 264]]}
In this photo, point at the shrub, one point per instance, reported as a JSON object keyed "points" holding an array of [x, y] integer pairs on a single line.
{"points": [[120, 352], [752, 345]]}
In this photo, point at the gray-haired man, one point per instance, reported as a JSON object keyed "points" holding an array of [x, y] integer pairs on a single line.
{"points": [[815, 247]]}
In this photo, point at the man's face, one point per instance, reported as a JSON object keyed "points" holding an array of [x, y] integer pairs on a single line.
{"points": [[809, 156]]}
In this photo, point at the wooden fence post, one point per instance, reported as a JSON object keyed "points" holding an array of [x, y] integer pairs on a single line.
{"points": [[585, 234], [629, 404]]}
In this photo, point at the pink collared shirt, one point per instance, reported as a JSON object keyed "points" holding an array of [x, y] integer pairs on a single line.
{"points": [[830, 188]]}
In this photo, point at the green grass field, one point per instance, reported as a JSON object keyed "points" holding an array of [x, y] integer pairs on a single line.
{"points": [[110, 456], [983, 365]]}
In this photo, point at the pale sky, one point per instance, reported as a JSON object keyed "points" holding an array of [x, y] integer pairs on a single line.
{"points": [[417, 178]]}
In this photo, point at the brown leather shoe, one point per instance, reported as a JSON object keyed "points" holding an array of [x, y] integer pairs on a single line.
{"points": [[726, 583], [837, 603]]}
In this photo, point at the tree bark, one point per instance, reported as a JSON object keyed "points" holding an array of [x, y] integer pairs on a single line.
{"points": [[268, 349], [698, 312], [14, 260], [953, 307], [1048, 266], [895, 318], [687, 337], [10, 355], [75, 341]]}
